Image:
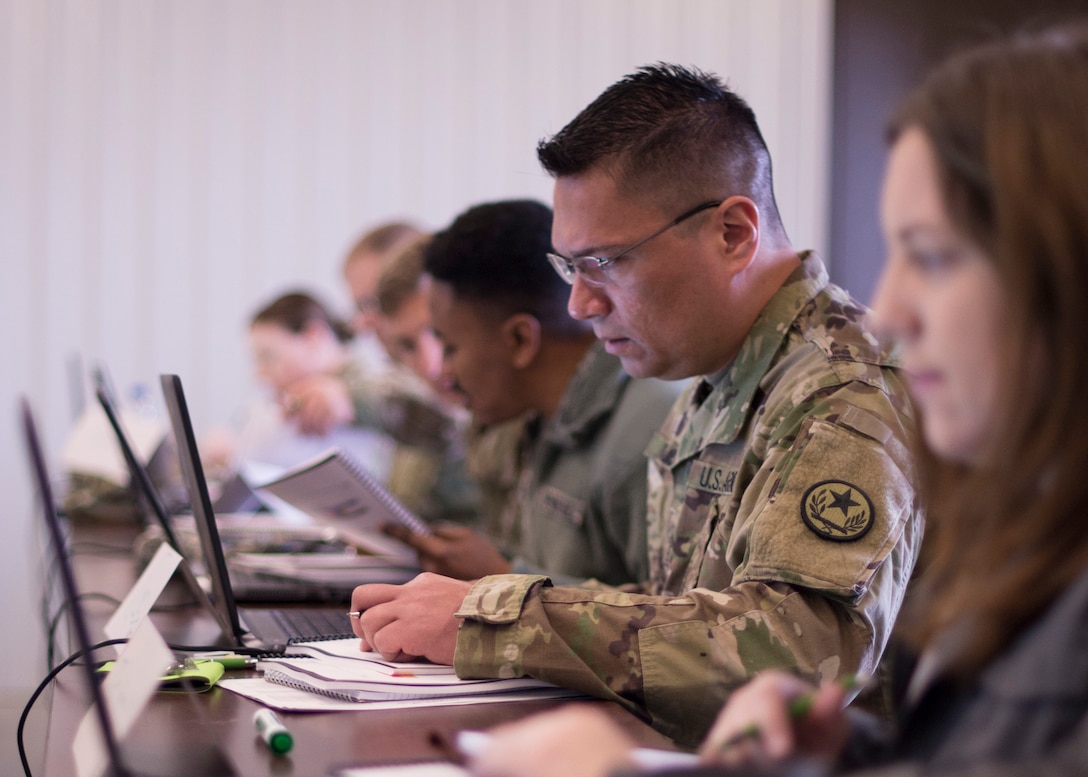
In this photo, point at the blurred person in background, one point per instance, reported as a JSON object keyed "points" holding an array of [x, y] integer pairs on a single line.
{"points": [[361, 269]]}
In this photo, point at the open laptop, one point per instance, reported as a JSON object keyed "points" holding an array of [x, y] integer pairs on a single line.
{"points": [[149, 495], [130, 762], [264, 537], [263, 628]]}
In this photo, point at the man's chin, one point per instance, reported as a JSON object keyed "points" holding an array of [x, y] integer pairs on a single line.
{"points": [[636, 368]]}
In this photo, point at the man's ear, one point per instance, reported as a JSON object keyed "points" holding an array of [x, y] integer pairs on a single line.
{"points": [[521, 335], [738, 218]]}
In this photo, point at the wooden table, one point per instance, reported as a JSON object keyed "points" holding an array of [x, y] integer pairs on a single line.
{"points": [[180, 735]]}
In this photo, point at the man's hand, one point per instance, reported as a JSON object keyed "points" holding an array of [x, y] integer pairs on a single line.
{"points": [[318, 403], [454, 551], [410, 621]]}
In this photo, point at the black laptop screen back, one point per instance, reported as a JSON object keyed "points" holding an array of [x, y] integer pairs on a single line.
{"points": [[68, 582], [140, 477], [193, 473]]}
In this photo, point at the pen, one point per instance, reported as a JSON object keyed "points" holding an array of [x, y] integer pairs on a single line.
{"points": [[272, 731], [235, 662], [227, 659], [798, 708]]}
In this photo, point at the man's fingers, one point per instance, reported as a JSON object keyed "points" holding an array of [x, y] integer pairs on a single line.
{"points": [[451, 531], [389, 642], [421, 543], [401, 532], [385, 633], [366, 596]]}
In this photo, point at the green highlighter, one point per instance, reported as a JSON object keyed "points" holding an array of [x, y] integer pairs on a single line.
{"points": [[191, 675], [272, 731]]}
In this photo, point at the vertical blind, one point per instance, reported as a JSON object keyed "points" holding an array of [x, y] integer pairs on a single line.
{"points": [[167, 166]]}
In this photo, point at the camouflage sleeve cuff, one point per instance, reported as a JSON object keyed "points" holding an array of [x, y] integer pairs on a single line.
{"points": [[498, 598]]}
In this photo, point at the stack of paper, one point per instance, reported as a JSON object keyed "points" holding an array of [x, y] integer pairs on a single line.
{"points": [[337, 668], [325, 569]]}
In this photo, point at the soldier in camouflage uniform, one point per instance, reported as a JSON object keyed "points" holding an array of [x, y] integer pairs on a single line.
{"points": [[427, 472], [783, 526], [579, 507]]}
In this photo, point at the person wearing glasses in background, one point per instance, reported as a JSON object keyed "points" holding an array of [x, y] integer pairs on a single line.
{"points": [[782, 520], [361, 270]]}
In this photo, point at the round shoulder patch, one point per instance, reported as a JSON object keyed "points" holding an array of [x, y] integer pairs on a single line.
{"points": [[837, 510]]}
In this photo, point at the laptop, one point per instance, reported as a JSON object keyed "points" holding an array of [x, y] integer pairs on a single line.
{"points": [[148, 494], [205, 760], [262, 628], [264, 537]]}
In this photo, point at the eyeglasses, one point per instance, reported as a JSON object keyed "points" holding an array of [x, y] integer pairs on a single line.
{"points": [[367, 304], [592, 269]]}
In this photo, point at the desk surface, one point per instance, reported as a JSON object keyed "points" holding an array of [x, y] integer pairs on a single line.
{"points": [[177, 734]]}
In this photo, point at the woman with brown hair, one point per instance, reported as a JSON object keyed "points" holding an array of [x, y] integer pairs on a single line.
{"points": [[985, 214], [302, 356]]}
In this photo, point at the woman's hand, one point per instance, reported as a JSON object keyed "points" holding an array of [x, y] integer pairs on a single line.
{"points": [[318, 403], [778, 717], [573, 741]]}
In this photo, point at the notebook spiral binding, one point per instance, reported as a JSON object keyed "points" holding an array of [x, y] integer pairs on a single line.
{"points": [[310, 638], [404, 515], [281, 679]]}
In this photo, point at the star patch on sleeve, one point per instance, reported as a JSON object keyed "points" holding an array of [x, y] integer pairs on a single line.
{"points": [[837, 511]]}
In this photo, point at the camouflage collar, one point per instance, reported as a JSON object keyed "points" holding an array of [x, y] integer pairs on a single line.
{"points": [[724, 413], [594, 390]]}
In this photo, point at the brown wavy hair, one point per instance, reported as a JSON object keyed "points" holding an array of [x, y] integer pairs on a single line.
{"points": [[294, 310], [1008, 125]]}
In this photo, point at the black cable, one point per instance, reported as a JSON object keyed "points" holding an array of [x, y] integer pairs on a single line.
{"points": [[41, 688], [79, 654], [241, 651], [54, 622]]}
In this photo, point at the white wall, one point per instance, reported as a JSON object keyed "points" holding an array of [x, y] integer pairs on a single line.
{"points": [[168, 165]]}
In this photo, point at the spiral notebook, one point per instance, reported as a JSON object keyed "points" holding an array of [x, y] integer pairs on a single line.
{"points": [[335, 489], [363, 680]]}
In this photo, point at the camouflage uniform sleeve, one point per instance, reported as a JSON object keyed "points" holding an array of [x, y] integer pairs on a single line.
{"points": [[366, 400], [673, 661], [398, 405], [793, 599]]}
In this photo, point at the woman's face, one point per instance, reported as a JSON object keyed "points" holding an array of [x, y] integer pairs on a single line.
{"points": [[940, 297], [283, 357]]}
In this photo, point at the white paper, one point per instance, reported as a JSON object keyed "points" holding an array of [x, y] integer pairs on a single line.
{"points": [[287, 699], [92, 447], [144, 594], [126, 690]]}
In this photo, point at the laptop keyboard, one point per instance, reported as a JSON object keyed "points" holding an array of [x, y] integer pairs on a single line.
{"points": [[311, 625]]}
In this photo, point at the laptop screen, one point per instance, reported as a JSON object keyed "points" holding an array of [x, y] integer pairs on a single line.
{"points": [[215, 562], [140, 477], [75, 609]]}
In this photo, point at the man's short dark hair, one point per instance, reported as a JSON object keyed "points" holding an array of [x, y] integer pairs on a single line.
{"points": [[671, 133], [494, 255]]}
